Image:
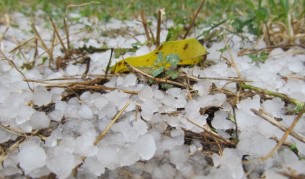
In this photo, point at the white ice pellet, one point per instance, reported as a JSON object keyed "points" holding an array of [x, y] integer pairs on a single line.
{"points": [[131, 131], [61, 164], [179, 155], [274, 107], [55, 115], [256, 145], [220, 121], [146, 94], [72, 70], [85, 112], [41, 96], [146, 147], [85, 144], [31, 157], [93, 166], [39, 120], [24, 114]]}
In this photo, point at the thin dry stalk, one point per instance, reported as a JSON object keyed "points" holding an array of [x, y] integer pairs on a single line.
{"points": [[285, 136], [79, 5], [208, 130], [193, 20], [52, 49], [144, 22], [21, 44], [44, 46], [115, 118], [57, 34], [233, 79], [11, 130], [158, 80], [67, 33], [261, 113], [15, 66], [86, 85], [11, 148], [158, 28], [152, 35]]}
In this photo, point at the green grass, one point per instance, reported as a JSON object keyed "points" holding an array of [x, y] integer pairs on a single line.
{"points": [[238, 15]]}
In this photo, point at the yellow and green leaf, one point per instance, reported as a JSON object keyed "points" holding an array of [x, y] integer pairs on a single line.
{"points": [[190, 52]]}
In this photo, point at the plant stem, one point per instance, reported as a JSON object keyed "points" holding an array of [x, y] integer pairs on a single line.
{"points": [[284, 97]]}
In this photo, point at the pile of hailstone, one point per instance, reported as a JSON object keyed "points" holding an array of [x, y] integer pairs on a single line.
{"points": [[42, 134]]}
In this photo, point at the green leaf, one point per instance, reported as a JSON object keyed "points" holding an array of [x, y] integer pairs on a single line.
{"points": [[166, 86], [261, 14], [173, 59], [157, 72], [285, 7], [159, 60], [250, 3], [222, 50], [172, 73]]}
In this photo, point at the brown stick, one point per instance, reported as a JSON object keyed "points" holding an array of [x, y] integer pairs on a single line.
{"points": [[67, 32], [158, 28], [193, 20], [159, 80], [285, 136], [144, 22], [274, 122], [57, 34]]}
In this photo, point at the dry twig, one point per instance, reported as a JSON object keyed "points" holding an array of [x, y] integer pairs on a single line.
{"points": [[286, 134], [261, 113]]}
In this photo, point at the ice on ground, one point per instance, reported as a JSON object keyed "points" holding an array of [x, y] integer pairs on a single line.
{"points": [[249, 103], [211, 100], [176, 139], [203, 87], [148, 108], [72, 70], [146, 147], [245, 120], [178, 156], [220, 121], [108, 157], [165, 171], [24, 114], [92, 165], [84, 144], [255, 146], [158, 94], [116, 96], [56, 115], [131, 130], [85, 112], [61, 106], [6, 135], [146, 94], [31, 157], [131, 158], [230, 160], [274, 107], [39, 120], [99, 101], [41, 96], [128, 80], [61, 163]]}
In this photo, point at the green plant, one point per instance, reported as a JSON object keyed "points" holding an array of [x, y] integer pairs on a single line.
{"points": [[171, 60], [259, 57]]}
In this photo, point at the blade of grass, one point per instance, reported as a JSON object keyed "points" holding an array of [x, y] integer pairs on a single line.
{"points": [[193, 20], [115, 118]]}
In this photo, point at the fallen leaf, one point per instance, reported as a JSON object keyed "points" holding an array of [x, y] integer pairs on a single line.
{"points": [[190, 51]]}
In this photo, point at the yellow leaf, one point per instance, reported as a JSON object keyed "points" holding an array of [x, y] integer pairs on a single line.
{"points": [[190, 51]]}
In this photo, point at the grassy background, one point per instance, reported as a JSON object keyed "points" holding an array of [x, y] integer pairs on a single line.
{"points": [[237, 13]]}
